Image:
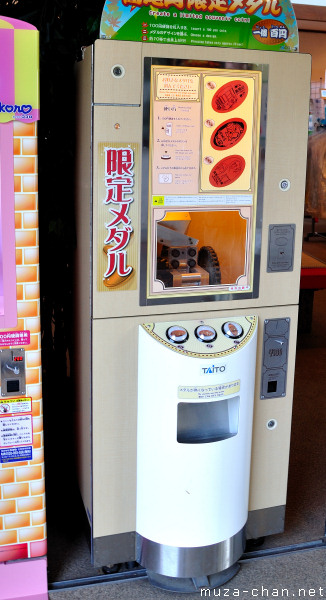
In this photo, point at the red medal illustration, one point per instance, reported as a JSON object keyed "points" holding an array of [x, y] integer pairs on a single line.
{"points": [[228, 134], [230, 96], [227, 171]]}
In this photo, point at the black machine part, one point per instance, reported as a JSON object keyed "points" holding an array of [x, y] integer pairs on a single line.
{"points": [[207, 259]]}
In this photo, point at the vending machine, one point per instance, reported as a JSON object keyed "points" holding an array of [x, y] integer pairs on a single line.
{"points": [[22, 494], [192, 124]]}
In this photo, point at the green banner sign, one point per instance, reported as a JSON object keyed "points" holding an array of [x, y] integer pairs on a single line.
{"points": [[253, 24]]}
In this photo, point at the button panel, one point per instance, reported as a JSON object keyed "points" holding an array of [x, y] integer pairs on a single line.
{"points": [[204, 338], [232, 330], [177, 334], [205, 333]]}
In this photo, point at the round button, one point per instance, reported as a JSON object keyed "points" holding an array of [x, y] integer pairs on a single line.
{"points": [[232, 329], [177, 334], [284, 185], [205, 333]]}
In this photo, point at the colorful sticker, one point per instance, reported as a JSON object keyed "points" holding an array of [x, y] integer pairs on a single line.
{"points": [[204, 392], [227, 171], [16, 431], [228, 134], [14, 338], [230, 96], [117, 216], [175, 142], [237, 23], [15, 405], [270, 32], [16, 454], [19, 96], [234, 128], [177, 86]]}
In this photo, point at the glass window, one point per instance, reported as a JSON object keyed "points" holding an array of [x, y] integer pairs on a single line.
{"points": [[202, 141]]}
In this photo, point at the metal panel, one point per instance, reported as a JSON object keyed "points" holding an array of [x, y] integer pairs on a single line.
{"points": [[117, 74], [190, 562], [112, 549], [280, 248], [13, 372], [266, 521], [275, 358]]}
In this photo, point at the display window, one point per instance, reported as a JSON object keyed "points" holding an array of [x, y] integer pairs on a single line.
{"points": [[203, 138]]}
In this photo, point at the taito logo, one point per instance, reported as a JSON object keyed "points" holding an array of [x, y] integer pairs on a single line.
{"points": [[213, 369]]}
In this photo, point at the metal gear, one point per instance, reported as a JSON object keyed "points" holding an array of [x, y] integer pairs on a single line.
{"points": [[207, 259]]}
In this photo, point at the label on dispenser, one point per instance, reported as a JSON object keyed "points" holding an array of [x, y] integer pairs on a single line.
{"points": [[201, 392]]}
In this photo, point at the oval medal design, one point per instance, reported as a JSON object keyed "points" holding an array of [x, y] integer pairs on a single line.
{"points": [[228, 134], [230, 96], [227, 171]]}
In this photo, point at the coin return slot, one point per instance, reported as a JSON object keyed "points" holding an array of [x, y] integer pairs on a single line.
{"points": [[12, 386], [271, 387], [206, 422]]}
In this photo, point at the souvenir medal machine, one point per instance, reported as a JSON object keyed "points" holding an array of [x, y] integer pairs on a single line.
{"points": [[22, 493], [192, 127]]}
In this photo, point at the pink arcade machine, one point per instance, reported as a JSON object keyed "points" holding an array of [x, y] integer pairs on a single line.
{"points": [[22, 491]]}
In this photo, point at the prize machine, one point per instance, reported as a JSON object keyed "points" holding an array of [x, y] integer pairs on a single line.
{"points": [[22, 496], [191, 153]]}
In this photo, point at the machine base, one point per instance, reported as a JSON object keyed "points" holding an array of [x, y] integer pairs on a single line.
{"points": [[196, 584], [182, 563]]}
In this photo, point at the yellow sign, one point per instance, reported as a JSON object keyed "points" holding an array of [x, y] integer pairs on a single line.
{"points": [[177, 86], [207, 392]]}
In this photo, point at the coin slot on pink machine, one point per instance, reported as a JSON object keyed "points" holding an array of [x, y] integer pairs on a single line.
{"points": [[13, 377]]}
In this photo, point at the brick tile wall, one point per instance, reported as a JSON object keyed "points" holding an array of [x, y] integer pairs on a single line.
{"points": [[22, 485]]}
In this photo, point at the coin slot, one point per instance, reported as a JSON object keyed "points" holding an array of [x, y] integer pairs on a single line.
{"points": [[12, 386], [271, 387]]}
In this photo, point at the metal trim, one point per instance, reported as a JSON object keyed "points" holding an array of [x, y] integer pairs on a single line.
{"points": [[113, 549], [173, 561], [265, 521]]}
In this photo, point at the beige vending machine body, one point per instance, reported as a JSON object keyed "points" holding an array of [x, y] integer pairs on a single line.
{"points": [[112, 87]]}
